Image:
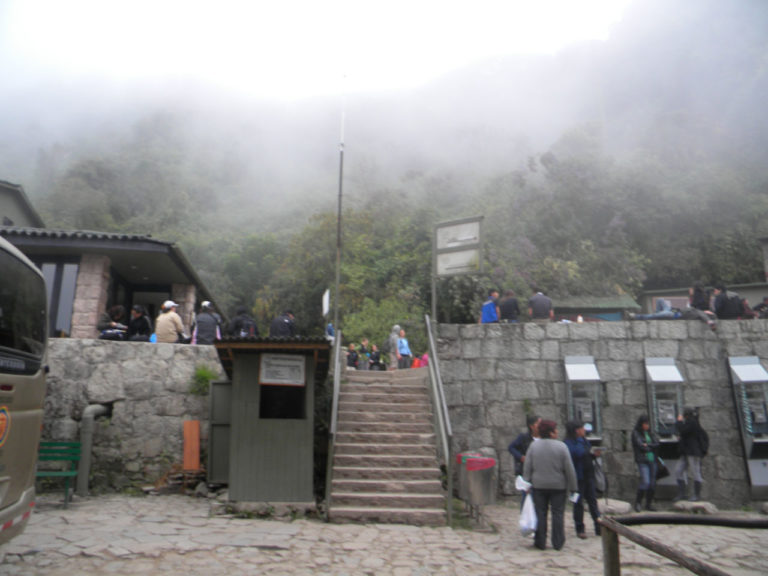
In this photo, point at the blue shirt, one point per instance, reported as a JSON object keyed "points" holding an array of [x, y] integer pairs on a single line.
{"points": [[402, 347], [489, 312]]}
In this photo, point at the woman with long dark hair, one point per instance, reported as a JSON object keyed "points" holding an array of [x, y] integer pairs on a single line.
{"points": [[645, 444]]}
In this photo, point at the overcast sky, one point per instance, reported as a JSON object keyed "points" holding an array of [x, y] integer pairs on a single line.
{"points": [[286, 48]]}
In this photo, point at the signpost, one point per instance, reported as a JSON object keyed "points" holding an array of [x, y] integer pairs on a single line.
{"points": [[457, 250]]}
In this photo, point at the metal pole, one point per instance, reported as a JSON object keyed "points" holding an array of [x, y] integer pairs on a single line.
{"points": [[336, 326]]}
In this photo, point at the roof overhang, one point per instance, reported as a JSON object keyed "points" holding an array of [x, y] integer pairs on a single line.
{"points": [[24, 203], [142, 261]]}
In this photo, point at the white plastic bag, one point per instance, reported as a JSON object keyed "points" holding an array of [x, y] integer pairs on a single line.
{"points": [[528, 520], [521, 485]]}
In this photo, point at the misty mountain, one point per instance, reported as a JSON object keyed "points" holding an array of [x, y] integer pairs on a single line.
{"points": [[660, 131]]}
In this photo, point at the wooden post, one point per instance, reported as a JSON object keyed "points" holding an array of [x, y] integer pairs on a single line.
{"points": [[611, 556], [610, 525], [191, 446]]}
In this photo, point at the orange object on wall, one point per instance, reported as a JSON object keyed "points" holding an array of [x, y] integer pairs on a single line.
{"points": [[191, 445]]}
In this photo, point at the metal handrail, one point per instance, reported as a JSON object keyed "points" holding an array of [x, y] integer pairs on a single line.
{"points": [[443, 420], [334, 420]]}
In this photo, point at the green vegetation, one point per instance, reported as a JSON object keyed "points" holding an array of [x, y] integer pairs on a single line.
{"points": [[201, 380], [651, 174]]}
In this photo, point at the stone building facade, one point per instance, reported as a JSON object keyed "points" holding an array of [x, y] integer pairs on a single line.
{"points": [[146, 388], [495, 373]]}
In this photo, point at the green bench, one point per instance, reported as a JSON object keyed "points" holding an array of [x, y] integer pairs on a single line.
{"points": [[68, 453]]}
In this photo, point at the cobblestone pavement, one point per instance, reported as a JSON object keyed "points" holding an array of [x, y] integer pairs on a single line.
{"points": [[122, 535]]}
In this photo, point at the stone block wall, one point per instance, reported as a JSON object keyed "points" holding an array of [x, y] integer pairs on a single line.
{"points": [[146, 387], [494, 374], [90, 295]]}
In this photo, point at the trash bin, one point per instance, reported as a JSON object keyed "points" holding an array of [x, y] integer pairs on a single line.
{"points": [[461, 462], [481, 477]]}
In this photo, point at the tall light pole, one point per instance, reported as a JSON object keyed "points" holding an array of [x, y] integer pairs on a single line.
{"points": [[338, 222]]}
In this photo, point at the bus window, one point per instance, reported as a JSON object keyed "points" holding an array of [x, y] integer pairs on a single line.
{"points": [[23, 326]]}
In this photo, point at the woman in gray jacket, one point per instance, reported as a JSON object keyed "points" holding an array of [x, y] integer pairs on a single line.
{"points": [[548, 467]]}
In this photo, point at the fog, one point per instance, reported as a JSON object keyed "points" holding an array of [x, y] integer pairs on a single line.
{"points": [[676, 81]]}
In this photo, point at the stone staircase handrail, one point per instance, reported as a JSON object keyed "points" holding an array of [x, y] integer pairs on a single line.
{"points": [[443, 420], [334, 419]]}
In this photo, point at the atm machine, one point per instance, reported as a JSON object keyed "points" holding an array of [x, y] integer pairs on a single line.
{"points": [[583, 395], [664, 390], [750, 394]]}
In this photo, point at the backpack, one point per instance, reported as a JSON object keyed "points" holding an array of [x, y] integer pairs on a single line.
{"points": [[248, 328], [734, 306], [703, 441], [386, 348]]}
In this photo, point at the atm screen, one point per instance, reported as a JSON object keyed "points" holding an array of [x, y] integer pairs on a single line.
{"points": [[583, 409], [757, 410], [666, 412]]}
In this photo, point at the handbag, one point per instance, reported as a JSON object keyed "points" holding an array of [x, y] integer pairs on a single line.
{"points": [[601, 484], [528, 520], [661, 468]]}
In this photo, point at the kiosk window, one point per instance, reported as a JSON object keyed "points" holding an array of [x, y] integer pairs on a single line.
{"points": [[285, 402]]}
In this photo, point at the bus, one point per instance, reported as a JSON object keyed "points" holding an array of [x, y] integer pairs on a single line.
{"points": [[23, 341]]}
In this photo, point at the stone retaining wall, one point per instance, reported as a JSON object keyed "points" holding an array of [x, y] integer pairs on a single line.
{"points": [[146, 386], [494, 373]]}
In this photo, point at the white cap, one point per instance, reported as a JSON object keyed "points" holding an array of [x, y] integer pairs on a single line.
{"points": [[169, 304], [206, 304]]}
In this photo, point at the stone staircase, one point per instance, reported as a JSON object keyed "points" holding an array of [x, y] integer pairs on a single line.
{"points": [[385, 466]]}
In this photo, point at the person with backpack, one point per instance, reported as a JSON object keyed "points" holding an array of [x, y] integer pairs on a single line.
{"points": [[693, 445], [243, 325], [728, 305], [390, 346], [283, 326], [206, 328]]}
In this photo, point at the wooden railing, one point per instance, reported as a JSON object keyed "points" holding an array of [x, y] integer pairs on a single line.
{"points": [[616, 526]]}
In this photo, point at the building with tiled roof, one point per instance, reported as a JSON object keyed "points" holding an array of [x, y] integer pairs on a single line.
{"points": [[88, 271]]}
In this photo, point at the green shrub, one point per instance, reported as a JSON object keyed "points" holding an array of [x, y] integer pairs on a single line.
{"points": [[201, 380]]}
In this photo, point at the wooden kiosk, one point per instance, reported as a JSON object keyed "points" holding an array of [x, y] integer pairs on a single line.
{"points": [[262, 419]]}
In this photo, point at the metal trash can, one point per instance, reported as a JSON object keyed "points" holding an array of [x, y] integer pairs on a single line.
{"points": [[461, 463], [481, 477]]}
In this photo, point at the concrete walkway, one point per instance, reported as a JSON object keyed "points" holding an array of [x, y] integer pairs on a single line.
{"points": [[125, 535]]}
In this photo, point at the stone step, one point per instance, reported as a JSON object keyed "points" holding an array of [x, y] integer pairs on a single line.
{"points": [[412, 427], [409, 378], [385, 388], [357, 397], [385, 449], [387, 500], [384, 407], [366, 436], [432, 486], [366, 378], [385, 460], [385, 473], [417, 517], [383, 416], [395, 376]]}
